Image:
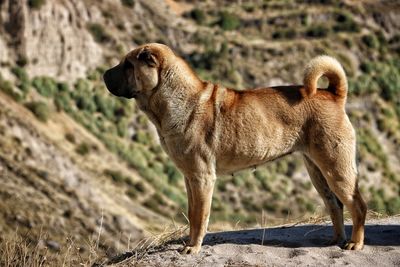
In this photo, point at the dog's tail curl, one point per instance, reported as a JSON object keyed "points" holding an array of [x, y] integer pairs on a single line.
{"points": [[329, 67]]}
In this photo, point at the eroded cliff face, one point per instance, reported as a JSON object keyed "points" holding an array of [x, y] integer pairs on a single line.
{"points": [[66, 38], [52, 40]]}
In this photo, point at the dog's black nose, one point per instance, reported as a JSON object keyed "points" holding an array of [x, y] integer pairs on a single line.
{"points": [[114, 79], [107, 79]]}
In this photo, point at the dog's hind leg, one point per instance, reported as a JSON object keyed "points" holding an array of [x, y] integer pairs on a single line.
{"points": [[332, 203], [190, 208], [336, 160]]}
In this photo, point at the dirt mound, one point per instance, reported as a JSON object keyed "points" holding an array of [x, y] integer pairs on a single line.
{"points": [[300, 245]]}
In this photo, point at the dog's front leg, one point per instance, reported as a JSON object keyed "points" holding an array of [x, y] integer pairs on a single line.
{"points": [[200, 190]]}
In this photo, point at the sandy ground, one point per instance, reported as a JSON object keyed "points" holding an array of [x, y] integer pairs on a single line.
{"points": [[301, 245]]}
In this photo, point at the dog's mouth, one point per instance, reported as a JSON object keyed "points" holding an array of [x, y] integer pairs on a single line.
{"points": [[117, 83], [127, 94], [133, 94]]}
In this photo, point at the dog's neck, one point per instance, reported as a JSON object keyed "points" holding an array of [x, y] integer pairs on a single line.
{"points": [[171, 103]]}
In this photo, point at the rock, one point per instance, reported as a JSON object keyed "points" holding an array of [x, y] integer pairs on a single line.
{"points": [[53, 245]]}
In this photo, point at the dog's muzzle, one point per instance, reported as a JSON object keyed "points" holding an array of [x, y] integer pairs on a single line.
{"points": [[117, 84]]}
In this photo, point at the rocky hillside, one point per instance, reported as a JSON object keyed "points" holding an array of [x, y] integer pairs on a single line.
{"points": [[78, 164]]}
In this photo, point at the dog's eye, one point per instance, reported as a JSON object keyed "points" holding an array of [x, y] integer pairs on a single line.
{"points": [[127, 65]]}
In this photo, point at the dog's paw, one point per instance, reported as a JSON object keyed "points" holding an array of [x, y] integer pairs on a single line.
{"points": [[354, 245], [340, 241], [191, 250]]}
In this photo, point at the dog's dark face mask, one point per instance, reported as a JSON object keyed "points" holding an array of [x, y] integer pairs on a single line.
{"points": [[136, 75], [117, 82]]}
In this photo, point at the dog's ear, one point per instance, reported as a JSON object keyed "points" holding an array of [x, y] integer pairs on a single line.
{"points": [[146, 56]]}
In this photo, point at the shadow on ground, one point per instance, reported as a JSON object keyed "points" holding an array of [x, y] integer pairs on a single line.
{"points": [[290, 237], [303, 236]]}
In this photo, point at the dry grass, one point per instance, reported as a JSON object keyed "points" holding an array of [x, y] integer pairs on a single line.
{"points": [[158, 242], [154, 243], [22, 250], [19, 249]]}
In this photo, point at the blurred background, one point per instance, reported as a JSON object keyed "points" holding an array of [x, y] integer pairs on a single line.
{"points": [[81, 170]]}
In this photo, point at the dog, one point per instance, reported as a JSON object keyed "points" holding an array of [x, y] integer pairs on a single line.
{"points": [[208, 129]]}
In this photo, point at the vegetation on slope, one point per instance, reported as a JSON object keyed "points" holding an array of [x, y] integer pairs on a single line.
{"points": [[244, 46]]}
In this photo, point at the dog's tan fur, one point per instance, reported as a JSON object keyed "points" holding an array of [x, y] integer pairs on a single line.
{"points": [[208, 129]]}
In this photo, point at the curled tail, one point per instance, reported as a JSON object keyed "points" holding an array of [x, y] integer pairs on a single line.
{"points": [[329, 67]]}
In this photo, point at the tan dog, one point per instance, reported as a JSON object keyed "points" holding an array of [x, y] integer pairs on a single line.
{"points": [[208, 129]]}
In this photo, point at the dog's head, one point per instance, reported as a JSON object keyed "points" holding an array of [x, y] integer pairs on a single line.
{"points": [[139, 71]]}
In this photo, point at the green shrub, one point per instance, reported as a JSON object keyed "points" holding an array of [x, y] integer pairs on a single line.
{"points": [[82, 149], [174, 176], [249, 205], [70, 137], [98, 33], [45, 86], [282, 166], [305, 19], [122, 127], [310, 207], [198, 15], [269, 205], [105, 106], [132, 193], [94, 75], [100, 122], [36, 4], [82, 85], [366, 67], [210, 58], [62, 87], [278, 196], [116, 176], [221, 185], [151, 176], [20, 73], [83, 102], [24, 87], [262, 177], [121, 108], [317, 31], [237, 180], [369, 141], [87, 121], [23, 78], [388, 80], [364, 85], [83, 96], [156, 203], [135, 158], [393, 205], [139, 186], [7, 87], [371, 41], [345, 23], [62, 101], [22, 60], [376, 202], [175, 196], [128, 3], [39, 109], [142, 137], [157, 166], [228, 21], [284, 34], [348, 42]]}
